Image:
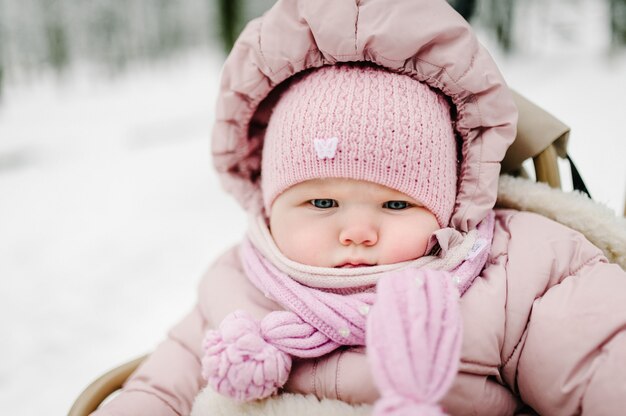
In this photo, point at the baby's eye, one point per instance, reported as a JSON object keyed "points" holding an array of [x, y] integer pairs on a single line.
{"points": [[324, 203], [396, 205]]}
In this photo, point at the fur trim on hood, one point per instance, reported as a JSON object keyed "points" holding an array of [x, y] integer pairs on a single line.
{"points": [[574, 209]]}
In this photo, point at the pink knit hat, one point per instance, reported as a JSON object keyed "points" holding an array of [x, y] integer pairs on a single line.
{"points": [[362, 122]]}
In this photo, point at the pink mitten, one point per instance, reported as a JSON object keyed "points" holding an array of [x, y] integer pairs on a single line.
{"points": [[414, 341]]}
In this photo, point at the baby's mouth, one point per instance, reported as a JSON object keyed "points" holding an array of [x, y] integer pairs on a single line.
{"points": [[353, 265]]}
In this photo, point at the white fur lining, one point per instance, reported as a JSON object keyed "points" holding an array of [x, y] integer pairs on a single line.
{"points": [[208, 402], [573, 209]]}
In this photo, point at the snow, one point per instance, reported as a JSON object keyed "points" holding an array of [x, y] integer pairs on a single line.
{"points": [[109, 214], [563, 63], [110, 210]]}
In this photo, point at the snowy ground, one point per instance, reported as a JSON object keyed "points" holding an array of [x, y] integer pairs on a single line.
{"points": [[110, 211]]}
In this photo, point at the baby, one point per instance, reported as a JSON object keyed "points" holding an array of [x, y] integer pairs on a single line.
{"points": [[355, 190], [365, 142]]}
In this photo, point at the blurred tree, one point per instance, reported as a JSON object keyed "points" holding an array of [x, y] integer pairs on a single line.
{"points": [[55, 34], [108, 31], [230, 21], [1, 59], [233, 15], [169, 34], [618, 22], [1, 75], [498, 15], [466, 8]]}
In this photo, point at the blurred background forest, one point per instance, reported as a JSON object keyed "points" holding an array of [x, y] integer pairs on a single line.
{"points": [[110, 210], [39, 35]]}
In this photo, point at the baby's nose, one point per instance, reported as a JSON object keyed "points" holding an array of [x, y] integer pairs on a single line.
{"points": [[359, 232]]}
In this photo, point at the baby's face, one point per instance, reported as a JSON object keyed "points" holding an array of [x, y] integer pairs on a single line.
{"points": [[349, 223]]}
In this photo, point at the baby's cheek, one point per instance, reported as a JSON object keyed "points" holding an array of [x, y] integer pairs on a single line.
{"points": [[302, 244], [404, 249], [405, 243]]}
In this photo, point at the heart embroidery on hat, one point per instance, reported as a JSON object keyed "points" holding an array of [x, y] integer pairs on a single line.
{"points": [[325, 148]]}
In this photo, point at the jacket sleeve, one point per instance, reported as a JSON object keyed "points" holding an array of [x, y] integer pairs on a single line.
{"points": [[343, 375], [571, 358], [167, 382]]}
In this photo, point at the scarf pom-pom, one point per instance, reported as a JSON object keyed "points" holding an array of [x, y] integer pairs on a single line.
{"points": [[400, 406], [239, 363]]}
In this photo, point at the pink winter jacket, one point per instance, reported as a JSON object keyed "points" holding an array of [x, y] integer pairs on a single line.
{"points": [[544, 323]]}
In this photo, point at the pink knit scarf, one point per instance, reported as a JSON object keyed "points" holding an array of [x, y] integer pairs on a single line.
{"points": [[410, 324]]}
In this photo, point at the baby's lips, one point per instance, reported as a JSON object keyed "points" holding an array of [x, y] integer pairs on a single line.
{"points": [[351, 265]]}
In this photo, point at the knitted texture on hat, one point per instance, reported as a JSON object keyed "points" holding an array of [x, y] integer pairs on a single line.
{"points": [[365, 123]]}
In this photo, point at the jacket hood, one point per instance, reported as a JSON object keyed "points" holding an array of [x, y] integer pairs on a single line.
{"points": [[425, 39]]}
